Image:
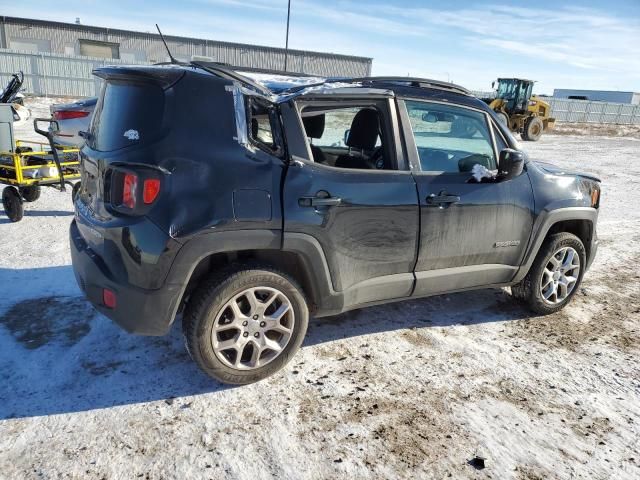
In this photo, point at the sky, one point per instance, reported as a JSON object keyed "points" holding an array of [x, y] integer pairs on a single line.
{"points": [[580, 44]]}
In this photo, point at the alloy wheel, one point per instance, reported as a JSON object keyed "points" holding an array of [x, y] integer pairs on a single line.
{"points": [[253, 328], [560, 275]]}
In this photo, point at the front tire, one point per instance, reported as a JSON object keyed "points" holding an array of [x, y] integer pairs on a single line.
{"points": [[533, 128], [245, 323], [12, 203], [555, 276]]}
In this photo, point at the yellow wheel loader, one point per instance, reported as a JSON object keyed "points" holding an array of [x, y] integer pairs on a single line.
{"points": [[523, 113]]}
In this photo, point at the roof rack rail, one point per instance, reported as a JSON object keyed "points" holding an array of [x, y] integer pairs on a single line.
{"points": [[231, 72], [410, 81], [417, 82]]}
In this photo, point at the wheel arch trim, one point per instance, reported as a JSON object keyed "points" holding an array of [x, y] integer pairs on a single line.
{"points": [[305, 247], [543, 225]]}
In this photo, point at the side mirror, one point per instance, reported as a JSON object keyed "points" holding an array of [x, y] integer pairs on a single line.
{"points": [[346, 135], [511, 163], [493, 84]]}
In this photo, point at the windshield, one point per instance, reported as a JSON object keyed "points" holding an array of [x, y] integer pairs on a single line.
{"points": [[506, 89]]}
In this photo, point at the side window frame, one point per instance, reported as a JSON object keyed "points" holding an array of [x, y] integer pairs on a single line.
{"points": [[412, 148], [387, 108], [274, 121], [497, 134]]}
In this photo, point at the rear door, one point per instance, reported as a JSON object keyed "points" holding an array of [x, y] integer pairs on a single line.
{"points": [[472, 234], [365, 220]]}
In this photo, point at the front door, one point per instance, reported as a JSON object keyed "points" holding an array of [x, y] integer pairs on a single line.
{"points": [[363, 213], [472, 233]]}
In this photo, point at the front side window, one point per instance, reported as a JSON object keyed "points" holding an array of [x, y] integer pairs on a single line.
{"points": [[449, 138]]}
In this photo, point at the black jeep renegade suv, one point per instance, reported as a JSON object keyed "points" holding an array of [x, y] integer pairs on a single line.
{"points": [[249, 208]]}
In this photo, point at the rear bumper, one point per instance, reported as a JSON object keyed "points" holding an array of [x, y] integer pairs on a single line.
{"points": [[138, 310]]}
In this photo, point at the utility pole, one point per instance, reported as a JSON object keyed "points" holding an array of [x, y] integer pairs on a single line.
{"points": [[286, 46]]}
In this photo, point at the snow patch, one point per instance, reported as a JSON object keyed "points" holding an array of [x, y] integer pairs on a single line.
{"points": [[480, 171], [409, 390]]}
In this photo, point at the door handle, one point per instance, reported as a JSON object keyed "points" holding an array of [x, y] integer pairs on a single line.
{"points": [[319, 201], [441, 199], [325, 202]]}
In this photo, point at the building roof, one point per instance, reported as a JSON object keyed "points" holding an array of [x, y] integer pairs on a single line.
{"points": [[116, 31]]}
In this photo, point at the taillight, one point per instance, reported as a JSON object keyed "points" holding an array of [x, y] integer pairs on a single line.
{"points": [[150, 190], [129, 190], [132, 191], [69, 114], [109, 298]]}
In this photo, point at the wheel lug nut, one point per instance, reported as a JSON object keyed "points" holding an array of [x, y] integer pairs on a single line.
{"points": [[255, 317], [245, 334], [256, 334], [262, 324], [245, 323]]}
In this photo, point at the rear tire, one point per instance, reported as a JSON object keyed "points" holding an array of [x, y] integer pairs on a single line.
{"points": [[30, 194], [12, 203], [533, 128], [231, 327], [553, 268]]}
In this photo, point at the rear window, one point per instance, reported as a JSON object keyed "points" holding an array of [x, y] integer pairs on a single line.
{"points": [[126, 115]]}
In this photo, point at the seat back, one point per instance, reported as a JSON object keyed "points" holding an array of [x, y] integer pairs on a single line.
{"points": [[365, 128], [314, 128]]}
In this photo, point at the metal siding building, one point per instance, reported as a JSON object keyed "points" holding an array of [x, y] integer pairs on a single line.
{"points": [[598, 95], [82, 42]]}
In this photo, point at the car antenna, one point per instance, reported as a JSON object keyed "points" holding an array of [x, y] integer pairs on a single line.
{"points": [[173, 60]]}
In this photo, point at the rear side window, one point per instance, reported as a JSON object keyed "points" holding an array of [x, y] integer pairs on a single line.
{"points": [[263, 126], [261, 129], [126, 115]]}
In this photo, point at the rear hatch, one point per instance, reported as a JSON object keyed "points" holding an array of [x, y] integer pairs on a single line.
{"points": [[122, 178], [129, 119]]}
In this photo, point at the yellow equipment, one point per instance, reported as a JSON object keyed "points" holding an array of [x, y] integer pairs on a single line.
{"points": [[523, 113], [31, 165]]}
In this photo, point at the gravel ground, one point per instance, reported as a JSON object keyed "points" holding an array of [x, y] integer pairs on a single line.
{"points": [[410, 389]]}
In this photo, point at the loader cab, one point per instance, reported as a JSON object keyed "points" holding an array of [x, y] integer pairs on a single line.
{"points": [[516, 94]]}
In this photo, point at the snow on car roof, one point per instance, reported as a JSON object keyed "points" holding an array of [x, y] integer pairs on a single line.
{"points": [[280, 83]]}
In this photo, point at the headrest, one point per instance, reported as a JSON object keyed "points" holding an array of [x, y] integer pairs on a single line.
{"points": [[364, 130], [314, 126]]}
